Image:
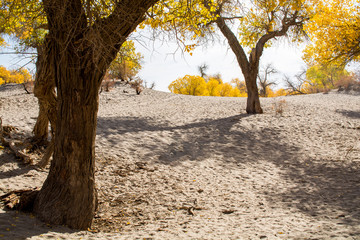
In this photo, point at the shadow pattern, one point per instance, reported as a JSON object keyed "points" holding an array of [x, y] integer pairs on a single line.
{"points": [[323, 188]]}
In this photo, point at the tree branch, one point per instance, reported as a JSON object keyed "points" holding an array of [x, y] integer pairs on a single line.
{"points": [[234, 45]]}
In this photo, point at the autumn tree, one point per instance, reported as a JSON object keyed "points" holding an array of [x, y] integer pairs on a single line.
{"points": [[81, 43], [189, 85], [27, 22], [127, 63], [334, 32], [241, 85], [323, 77], [198, 86], [260, 23], [213, 87], [18, 76]]}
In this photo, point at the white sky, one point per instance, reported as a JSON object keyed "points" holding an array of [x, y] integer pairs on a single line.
{"points": [[162, 66]]}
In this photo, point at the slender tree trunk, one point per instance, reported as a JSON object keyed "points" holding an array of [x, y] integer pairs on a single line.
{"points": [[44, 90], [249, 67], [41, 129]]}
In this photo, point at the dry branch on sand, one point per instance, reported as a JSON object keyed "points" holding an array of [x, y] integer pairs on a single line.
{"points": [[13, 145], [137, 84]]}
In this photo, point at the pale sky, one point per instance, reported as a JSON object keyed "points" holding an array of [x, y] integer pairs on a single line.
{"points": [[162, 66]]}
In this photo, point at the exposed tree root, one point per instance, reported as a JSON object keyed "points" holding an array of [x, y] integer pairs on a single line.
{"points": [[46, 157], [22, 200], [19, 153]]}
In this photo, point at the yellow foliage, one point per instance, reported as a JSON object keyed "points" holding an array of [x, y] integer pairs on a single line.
{"points": [[127, 62], [265, 17], [334, 31], [241, 86], [213, 87], [235, 93], [280, 92], [323, 77], [191, 19], [14, 76], [270, 92], [196, 85], [189, 85], [23, 19], [225, 90]]}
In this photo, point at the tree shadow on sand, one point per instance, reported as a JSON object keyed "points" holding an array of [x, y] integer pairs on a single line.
{"points": [[17, 225], [322, 189], [349, 114], [20, 170]]}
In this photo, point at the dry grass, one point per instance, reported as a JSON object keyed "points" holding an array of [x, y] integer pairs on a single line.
{"points": [[137, 84], [107, 85], [279, 107]]}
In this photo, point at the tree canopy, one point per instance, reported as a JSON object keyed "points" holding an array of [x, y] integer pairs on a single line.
{"points": [[260, 22], [334, 31]]}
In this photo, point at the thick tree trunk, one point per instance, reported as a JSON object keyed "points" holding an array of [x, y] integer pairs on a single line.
{"points": [[253, 101], [81, 54], [68, 195]]}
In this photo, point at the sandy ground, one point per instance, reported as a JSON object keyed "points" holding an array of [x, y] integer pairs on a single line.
{"points": [[184, 167]]}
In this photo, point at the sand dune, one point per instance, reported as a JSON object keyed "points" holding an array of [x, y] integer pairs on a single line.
{"points": [[184, 167]]}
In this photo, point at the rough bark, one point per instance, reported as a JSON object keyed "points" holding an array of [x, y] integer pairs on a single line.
{"points": [[253, 100], [82, 54], [44, 90]]}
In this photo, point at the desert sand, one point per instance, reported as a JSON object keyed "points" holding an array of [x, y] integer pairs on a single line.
{"points": [[184, 167]]}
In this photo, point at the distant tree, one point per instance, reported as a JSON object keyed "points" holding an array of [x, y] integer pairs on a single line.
{"points": [[241, 85], [202, 70], [324, 77], [264, 79], [126, 64], [261, 23], [18, 76], [196, 85], [217, 77], [280, 92], [213, 87], [189, 85], [225, 90]]}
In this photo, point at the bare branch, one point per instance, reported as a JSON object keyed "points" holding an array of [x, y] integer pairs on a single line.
{"points": [[294, 87]]}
